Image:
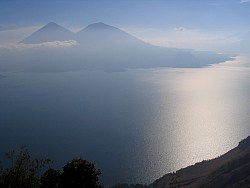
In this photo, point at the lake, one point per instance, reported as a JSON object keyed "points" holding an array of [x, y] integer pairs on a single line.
{"points": [[136, 125]]}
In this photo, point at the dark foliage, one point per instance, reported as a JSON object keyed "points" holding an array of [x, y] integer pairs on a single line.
{"points": [[80, 173], [51, 179], [23, 172]]}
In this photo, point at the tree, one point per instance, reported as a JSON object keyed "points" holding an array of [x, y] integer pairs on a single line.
{"points": [[51, 179], [79, 173], [24, 173], [24, 170]]}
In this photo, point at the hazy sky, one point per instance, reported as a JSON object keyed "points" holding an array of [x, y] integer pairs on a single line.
{"points": [[175, 23]]}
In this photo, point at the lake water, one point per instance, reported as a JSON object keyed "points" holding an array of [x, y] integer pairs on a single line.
{"points": [[136, 125]]}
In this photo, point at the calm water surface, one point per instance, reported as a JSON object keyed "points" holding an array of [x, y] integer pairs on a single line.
{"points": [[136, 125]]}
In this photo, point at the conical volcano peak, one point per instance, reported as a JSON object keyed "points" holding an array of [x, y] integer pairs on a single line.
{"points": [[48, 33], [101, 34], [52, 24], [101, 28], [99, 25]]}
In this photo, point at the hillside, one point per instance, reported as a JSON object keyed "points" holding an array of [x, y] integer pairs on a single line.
{"points": [[229, 170]]}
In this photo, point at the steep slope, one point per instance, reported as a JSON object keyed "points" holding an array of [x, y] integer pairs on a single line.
{"points": [[50, 32], [106, 36], [122, 50], [229, 170]]}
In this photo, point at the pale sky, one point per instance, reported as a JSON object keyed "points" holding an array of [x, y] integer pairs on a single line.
{"points": [[199, 24]]}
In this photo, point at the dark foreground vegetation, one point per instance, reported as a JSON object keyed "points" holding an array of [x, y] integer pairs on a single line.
{"points": [[24, 172], [229, 170]]}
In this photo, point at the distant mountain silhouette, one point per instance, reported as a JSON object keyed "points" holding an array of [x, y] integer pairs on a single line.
{"points": [[49, 33], [101, 47], [102, 35], [118, 48]]}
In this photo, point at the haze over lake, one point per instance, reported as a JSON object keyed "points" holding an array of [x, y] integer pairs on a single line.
{"points": [[136, 125], [140, 88]]}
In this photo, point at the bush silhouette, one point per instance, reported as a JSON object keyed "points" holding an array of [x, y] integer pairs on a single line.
{"points": [[51, 179], [24, 170], [80, 173]]}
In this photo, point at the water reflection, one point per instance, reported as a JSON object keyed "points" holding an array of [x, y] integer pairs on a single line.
{"points": [[136, 125], [202, 113]]}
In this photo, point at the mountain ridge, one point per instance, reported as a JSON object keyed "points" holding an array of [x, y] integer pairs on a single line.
{"points": [[93, 33], [49, 33], [101, 47]]}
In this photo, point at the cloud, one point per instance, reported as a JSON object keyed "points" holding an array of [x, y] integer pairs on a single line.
{"points": [[54, 44], [180, 29], [245, 1]]}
